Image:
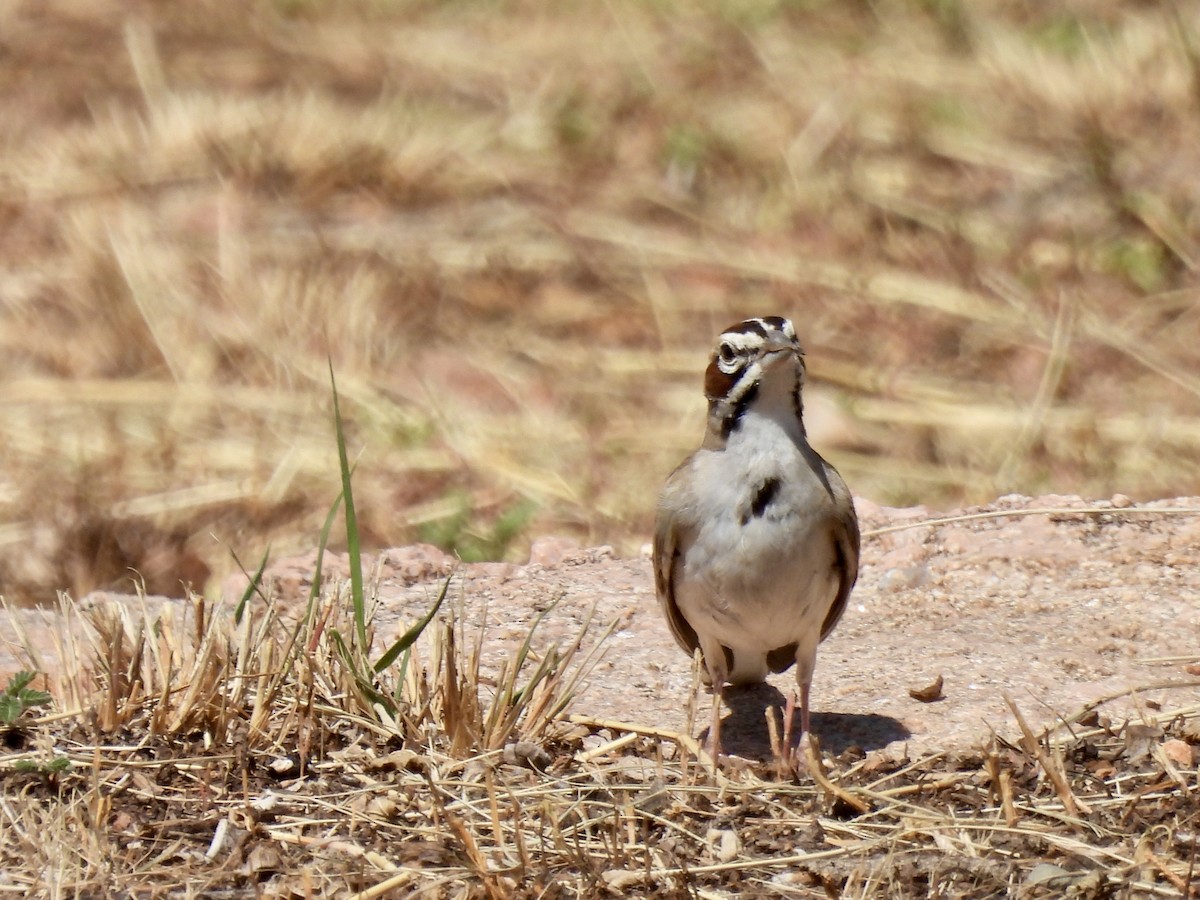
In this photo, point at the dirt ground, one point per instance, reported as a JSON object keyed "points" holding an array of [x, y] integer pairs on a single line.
{"points": [[1055, 609]]}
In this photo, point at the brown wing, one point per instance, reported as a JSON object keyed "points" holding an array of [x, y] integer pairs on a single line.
{"points": [[846, 541], [672, 533]]}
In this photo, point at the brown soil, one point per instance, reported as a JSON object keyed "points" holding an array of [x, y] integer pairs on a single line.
{"points": [[1056, 610]]}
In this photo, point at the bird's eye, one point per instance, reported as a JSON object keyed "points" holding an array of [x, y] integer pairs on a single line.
{"points": [[727, 353]]}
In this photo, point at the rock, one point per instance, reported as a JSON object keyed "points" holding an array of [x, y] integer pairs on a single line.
{"points": [[550, 551]]}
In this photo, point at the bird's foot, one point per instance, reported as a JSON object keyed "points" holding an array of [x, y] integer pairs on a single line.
{"points": [[799, 756]]}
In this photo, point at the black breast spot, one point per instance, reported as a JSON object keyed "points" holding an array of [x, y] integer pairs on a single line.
{"points": [[766, 492]]}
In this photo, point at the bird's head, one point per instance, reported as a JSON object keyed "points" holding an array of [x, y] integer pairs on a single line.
{"points": [[753, 359]]}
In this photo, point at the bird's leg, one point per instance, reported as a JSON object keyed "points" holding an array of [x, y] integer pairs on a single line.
{"points": [[806, 662], [804, 723], [789, 713], [718, 673], [714, 728], [799, 762]]}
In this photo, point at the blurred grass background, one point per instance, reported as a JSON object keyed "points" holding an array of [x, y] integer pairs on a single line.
{"points": [[516, 228]]}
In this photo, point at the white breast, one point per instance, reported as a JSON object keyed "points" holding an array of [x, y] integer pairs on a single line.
{"points": [[758, 582]]}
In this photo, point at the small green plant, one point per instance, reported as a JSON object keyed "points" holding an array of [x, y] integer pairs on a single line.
{"points": [[1065, 35], [531, 689], [687, 147], [1140, 260], [356, 652], [17, 698], [456, 534], [55, 766]]}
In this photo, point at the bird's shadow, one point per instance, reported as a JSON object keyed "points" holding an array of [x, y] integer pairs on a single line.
{"points": [[744, 728]]}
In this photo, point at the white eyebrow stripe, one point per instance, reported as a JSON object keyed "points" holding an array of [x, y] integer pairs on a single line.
{"points": [[742, 342]]}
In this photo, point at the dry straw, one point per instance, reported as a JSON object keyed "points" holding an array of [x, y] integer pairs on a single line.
{"points": [[214, 755]]}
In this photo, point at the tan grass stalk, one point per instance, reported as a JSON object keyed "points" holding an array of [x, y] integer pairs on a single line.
{"points": [[1051, 764], [1047, 511]]}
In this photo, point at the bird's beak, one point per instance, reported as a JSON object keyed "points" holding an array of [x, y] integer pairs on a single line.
{"points": [[776, 342]]}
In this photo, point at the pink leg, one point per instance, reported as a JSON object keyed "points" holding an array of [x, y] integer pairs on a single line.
{"points": [[789, 713], [718, 674], [797, 754], [804, 723]]}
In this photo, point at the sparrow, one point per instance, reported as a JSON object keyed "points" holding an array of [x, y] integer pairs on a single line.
{"points": [[756, 542]]}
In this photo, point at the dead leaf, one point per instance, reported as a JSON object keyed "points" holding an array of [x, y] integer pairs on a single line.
{"points": [[876, 760], [263, 858], [654, 799], [725, 844], [1048, 874], [1193, 669], [1178, 752], [1140, 740], [528, 754], [930, 693], [623, 879], [398, 761], [384, 806]]}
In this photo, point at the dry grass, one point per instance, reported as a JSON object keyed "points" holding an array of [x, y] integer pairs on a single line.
{"points": [[517, 245], [193, 756]]}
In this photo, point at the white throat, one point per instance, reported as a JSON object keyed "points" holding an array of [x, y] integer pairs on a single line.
{"points": [[772, 415]]}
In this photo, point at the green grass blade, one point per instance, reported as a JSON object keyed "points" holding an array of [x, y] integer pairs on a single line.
{"points": [[353, 548], [253, 586], [365, 686], [406, 640], [314, 590], [401, 674]]}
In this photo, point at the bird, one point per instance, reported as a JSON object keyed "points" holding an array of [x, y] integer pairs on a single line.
{"points": [[756, 540]]}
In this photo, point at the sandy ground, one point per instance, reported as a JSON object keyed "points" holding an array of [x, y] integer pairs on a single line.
{"points": [[1054, 609]]}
